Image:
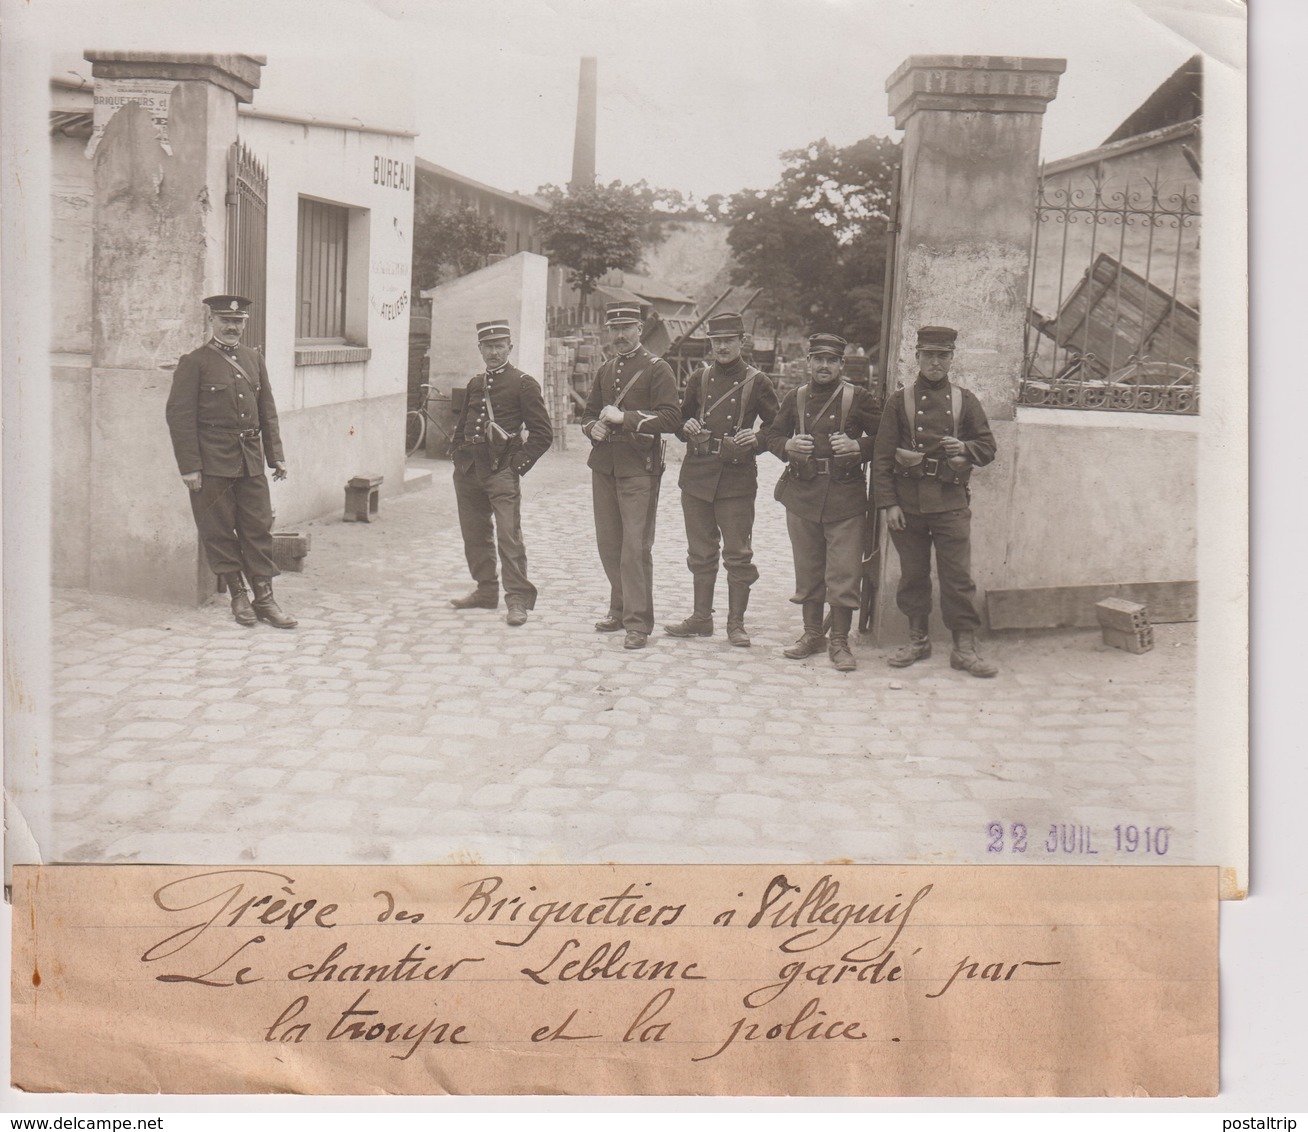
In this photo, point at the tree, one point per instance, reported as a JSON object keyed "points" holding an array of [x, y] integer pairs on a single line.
{"points": [[449, 240], [597, 228], [816, 240]]}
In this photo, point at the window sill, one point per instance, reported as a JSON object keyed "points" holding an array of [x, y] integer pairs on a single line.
{"points": [[330, 355]]}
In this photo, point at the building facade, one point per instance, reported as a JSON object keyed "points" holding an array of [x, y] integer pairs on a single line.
{"points": [[169, 185]]}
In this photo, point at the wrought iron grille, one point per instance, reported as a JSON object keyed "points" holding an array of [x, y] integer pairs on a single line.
{"points": [[247, 238], [1115, 265]]}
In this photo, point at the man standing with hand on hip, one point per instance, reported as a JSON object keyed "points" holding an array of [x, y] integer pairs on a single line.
{"points": [[223, 424], [632, 403], [490, 458], [933, 433], [724, 407]]}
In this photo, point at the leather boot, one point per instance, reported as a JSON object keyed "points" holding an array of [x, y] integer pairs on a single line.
{"points": [[517, 611], [966, 657], [918, 647], [480, 598], [812, 639], [699, 623], [737, 603], [841, 658], [265, 605], [241, 608]]}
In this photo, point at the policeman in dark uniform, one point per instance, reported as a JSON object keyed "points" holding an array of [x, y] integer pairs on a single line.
{"points": [[824, 431], [632, 403], [720, 408], [224, 426], [490, 457], [924, 457]]}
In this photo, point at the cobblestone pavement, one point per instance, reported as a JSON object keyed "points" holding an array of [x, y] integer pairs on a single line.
{"points": [[389, 727]]}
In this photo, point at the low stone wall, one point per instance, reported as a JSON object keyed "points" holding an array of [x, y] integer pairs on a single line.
{"points": [[1078, 498]]}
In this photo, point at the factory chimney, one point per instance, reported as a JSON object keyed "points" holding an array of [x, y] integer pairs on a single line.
{"points": [[583, 145]]}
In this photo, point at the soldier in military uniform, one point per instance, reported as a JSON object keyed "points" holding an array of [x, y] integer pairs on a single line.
{"points": [[223, 424], [490, 458], [631, 404], [825, 431], [720, 409], [933, 433]]}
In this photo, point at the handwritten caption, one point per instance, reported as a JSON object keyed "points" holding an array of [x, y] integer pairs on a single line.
{"points": [[815, 935], [618, 979]]}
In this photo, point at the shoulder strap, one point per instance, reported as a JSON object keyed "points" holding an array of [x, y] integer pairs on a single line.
{"points": [[801, 395], [908, 413], [956, 404], [617, 403], [237, 365], [846, 401], [747, 380], [745, 395]]}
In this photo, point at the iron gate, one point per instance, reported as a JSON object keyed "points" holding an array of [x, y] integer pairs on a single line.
{"points": [[1111, 260], [247, 238]]}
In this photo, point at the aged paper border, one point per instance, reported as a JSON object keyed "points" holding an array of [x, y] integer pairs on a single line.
{"points": [[1255, 928]]}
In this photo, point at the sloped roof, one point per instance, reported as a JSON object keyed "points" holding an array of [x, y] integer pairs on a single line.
{"points": [[425, 166], [1167, 134], [1179, 98], [648, 288], [616, 294]]}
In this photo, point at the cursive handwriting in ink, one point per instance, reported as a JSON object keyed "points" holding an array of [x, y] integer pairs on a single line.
{"points": [[607, 961], [218, 891], [413, 967], [824, 974], [794, 1031], [819, 911], [992, 972], [619, 910], [362, 1030]]}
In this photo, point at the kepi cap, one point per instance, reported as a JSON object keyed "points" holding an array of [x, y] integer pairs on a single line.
{"points": [[228, 305], [824, 343], [496, 328], [937, 339], [616, 314], [728, 324]]}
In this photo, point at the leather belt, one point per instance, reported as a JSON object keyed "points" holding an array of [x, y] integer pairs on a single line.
{"points": [[931, 466]]}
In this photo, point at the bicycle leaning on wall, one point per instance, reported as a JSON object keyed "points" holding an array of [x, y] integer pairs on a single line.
{"points": [[416, 421]]}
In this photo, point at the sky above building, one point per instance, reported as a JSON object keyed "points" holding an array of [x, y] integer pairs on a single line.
{"points": [[696, 95]]}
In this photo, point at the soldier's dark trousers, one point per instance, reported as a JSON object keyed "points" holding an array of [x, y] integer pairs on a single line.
{"points": [[725, 526], [828, 559], [951, 534], [625, 511], [234, 517], [494, 496]]}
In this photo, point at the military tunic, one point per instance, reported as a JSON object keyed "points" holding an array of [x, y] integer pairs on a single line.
{"points": [[487, 488], [936, 511], [718, 487], [223, 422], [826, 503], [626, 469]]}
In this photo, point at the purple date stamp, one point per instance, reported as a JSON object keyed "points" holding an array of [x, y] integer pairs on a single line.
{"points": [[1063, 839]]}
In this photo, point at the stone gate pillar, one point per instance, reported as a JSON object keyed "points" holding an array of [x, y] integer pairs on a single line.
{"points": [[971, 157], [164, 124], [971, 160]]}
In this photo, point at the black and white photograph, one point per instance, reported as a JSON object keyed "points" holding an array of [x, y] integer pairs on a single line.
{"points": [[779, 432]]}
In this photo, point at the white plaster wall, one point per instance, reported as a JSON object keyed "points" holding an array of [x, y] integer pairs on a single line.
{"points": [[1102, 497], [514, 288], [338, 419]]}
